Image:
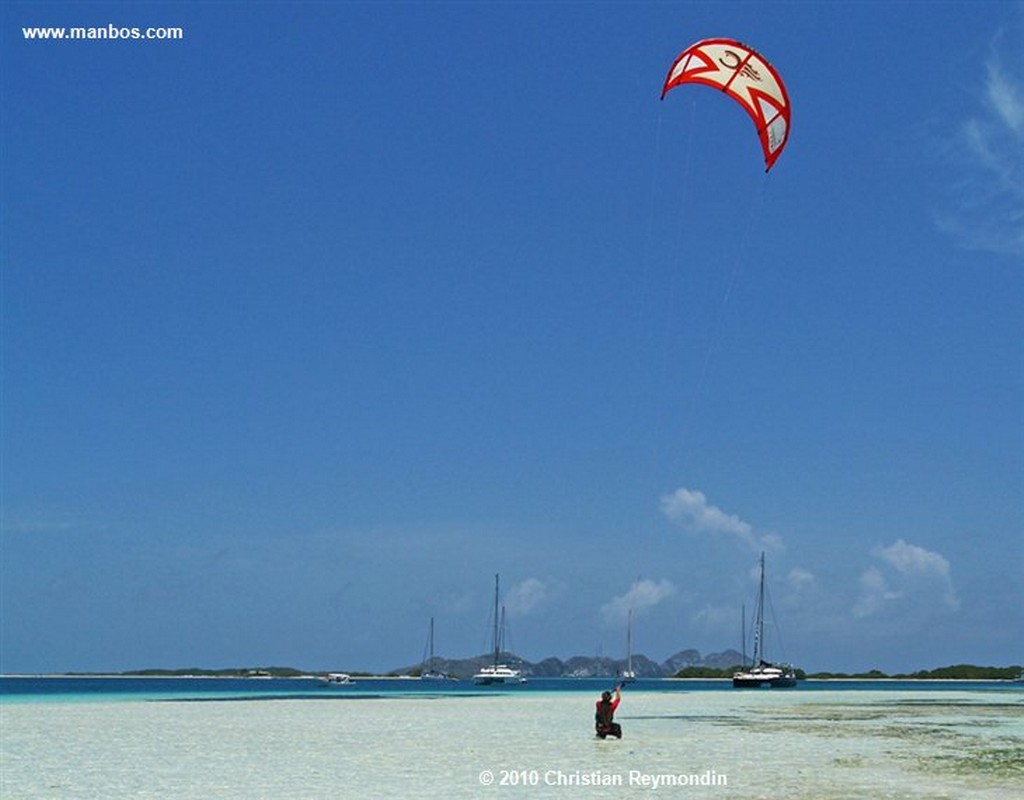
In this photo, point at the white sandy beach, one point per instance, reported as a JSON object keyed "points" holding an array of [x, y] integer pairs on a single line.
{"points": [[759, 744]]}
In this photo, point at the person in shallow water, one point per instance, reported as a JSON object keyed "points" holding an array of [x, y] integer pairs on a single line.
{"points": [[603, 716]]}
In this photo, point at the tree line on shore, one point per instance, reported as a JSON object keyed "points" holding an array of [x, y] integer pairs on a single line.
{"points": [[957, 672]]}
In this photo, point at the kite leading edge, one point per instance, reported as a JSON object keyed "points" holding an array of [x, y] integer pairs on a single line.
{"points": [[747, 77]]}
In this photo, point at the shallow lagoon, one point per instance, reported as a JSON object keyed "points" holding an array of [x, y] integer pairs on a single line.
{"points": [[905, 742]]}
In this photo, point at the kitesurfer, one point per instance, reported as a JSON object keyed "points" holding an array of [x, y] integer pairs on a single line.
{"points": [[603, 716]]}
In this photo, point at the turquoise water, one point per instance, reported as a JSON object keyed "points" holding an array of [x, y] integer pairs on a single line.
{"points": [[63, 689], [209, 738], [60, 688]]}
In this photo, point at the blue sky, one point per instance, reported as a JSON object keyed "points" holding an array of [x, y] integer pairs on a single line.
{"points": [[317, 319]]}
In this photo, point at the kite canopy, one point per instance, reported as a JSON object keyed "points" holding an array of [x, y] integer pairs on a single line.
{"points": [[748, 78]]}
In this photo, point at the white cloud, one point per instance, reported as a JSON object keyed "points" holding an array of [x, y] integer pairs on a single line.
{"points": [[692, 511], [874, 593], [643, 594], [717, 618], [526, 597], [986, 206], [800, 579], [915, 574], [1005, 98], [911, 559]]}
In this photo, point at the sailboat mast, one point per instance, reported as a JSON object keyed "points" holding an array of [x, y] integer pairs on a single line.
{"points": [[759, 637], [629, 643], [743, 634], [497, 641], [430, 664], [501, 634]]}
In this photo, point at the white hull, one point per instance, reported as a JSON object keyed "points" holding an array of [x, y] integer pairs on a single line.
{"points": [[336, 679], [489, 676], [765, 675], [434, 676]]}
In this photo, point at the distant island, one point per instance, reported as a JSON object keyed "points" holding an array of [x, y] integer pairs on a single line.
{"points": [[684, 664], [227, 672], [957, 672]]}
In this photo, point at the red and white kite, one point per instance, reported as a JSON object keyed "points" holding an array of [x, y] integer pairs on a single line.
{"points": [[747, 77]]}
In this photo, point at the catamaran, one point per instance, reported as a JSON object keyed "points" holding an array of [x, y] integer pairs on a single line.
{"points": [[496, 672], [763, 672]]}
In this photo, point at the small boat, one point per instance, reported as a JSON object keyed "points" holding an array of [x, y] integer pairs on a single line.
{"points": [[497, 673], [336, 679], [762, 672]]}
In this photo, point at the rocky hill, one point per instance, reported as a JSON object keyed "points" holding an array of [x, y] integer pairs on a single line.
{"points": [[583, 666]]}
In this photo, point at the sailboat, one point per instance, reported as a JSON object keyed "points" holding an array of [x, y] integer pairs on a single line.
{"points": [[428, 672], [629, 673], [762, 672], [496, 672]]}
